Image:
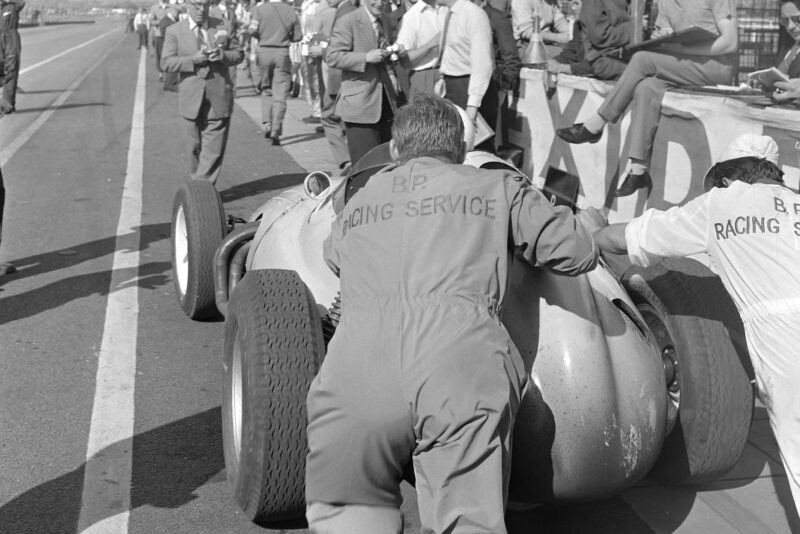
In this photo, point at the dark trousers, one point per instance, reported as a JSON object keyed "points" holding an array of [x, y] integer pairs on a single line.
{"points": [[142, 31], [643, 84], [206, 139], [10, 48], [458, 93], [158, 43], [421, 82], [361, 138], [2, 202]]}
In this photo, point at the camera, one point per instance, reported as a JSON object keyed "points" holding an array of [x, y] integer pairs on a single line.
{"points": [[393, 50]]}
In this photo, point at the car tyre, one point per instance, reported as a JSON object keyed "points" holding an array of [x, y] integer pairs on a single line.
{"points": [[687, 307], [198, 226], [273, 349]]}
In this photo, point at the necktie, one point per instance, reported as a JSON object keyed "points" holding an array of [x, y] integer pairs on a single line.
{"points": [[201, 43], [444, 36]]}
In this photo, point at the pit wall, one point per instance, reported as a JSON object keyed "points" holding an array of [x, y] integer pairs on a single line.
{"points": [[693, 131]]}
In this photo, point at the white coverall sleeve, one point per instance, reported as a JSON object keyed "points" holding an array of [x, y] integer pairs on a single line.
{"points": [[330, 249], [546, 235], [678, 232]]}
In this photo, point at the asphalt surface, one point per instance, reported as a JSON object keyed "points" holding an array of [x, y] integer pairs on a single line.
{"points": [[65, 155]]}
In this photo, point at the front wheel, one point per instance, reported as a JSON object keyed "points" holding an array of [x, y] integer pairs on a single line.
{"points": [[273, 349], [198, 226], [711, 398]]}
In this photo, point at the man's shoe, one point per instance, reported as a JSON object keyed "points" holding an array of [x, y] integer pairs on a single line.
{"points": [[311, 120], [319, 129], [267, 134], [634, 182], [577, 134], [7, 268], [275, 140]]}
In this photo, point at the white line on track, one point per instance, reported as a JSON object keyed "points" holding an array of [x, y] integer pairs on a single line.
{"points": [[8, 152], [65, 52], [106, 499]]}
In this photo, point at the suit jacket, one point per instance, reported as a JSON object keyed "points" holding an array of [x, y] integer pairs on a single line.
{"points": [[212, 81], [606, 25], [361, 93], [506, 56], [334, 81], [794, 66]]}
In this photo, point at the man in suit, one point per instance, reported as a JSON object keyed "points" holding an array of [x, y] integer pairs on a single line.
{"points": [[201, 49], [790, 57], [10, 48], [367, 97]]}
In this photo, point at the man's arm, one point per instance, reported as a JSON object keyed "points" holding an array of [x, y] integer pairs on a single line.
{"points": [[522, 18], [680, 231], [509, 64], [171, 61], [546, 235], [481, 61], [233, 53]]}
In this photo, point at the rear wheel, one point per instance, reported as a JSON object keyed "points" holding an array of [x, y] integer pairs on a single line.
{"points": [[711, 398], [198, 226], [273, 349]]}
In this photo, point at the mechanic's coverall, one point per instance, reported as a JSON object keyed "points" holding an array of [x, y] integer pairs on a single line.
{"points": [[10, 48], [751, 236], [420, 363]]}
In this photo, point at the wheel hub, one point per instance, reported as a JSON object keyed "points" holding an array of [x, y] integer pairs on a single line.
{"points": [[181, 244]]}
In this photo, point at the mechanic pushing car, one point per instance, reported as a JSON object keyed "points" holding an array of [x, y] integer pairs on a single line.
{"points": [[747, 225], [420, 366]]}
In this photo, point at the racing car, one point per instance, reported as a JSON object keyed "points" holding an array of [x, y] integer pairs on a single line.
{"points": [[632, 371]]}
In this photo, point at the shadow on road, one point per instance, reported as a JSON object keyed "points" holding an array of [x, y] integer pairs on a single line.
{"points": [[49, 296], [61, 107], [277, 182], [169, 464]]}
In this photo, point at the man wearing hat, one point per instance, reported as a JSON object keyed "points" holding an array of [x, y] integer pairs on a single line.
{"points": [[747, 225]]}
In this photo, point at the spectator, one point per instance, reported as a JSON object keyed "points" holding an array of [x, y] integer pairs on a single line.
{"points": [[171, 17], [552, 22], [202, 48], [223, 11], [790, 59], [467, 62], [449, 397], [602, 29], [10, 49], [368, 94], [309, 78], [157, 12], [277, 26], [5, 268], [419, 36], [757, 266], [129, 26], [506, 72], [649, 74], [141, 21]]}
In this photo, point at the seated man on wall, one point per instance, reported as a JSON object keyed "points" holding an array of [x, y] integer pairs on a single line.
{"points": [[602, 29], [645, 80]]}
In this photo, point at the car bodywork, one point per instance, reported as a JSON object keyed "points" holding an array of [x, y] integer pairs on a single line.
{"points": [[596, 408]]}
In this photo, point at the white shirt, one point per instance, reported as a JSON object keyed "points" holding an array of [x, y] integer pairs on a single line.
{"points": [[141, 19], [550, 17], [468, 48], [750, 235], [418, 26]]}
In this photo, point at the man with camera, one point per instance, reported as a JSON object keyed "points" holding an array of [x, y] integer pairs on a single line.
{"points": [[368, 94], [201, 49]]}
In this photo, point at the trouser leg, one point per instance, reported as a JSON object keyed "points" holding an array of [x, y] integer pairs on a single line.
{"points": [[463, 457], [192, 129], [645, 114], [214, 138], [266, 67], [282, 80], [2, 203], [360, 434], [678, 70], [457, 90], [158, 45], [334, 131], [11, 55], [421, 82], [361, 138]]}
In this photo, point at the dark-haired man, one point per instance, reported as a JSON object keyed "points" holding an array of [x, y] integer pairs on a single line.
{"points": [[420, 367], [747, 225]]}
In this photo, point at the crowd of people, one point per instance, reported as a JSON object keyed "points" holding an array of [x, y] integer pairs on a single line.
{"points": [[356, 61]]}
